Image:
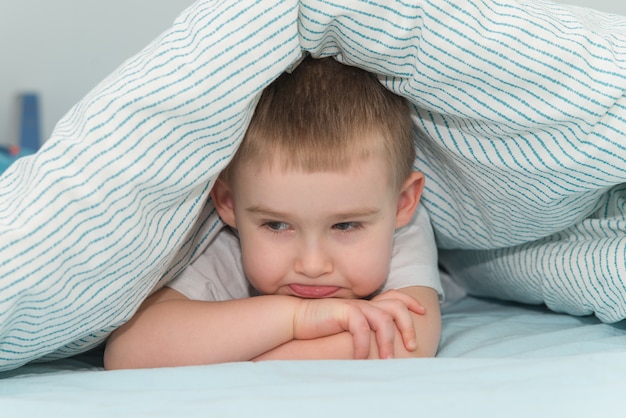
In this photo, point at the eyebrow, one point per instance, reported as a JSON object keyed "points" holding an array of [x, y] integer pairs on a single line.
{"points": [[357, 213]]}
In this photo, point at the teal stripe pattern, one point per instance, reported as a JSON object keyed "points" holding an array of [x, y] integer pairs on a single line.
{"points": [[519, 115]]}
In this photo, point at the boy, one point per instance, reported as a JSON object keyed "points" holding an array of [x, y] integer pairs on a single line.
{"points": [[322, 182]]}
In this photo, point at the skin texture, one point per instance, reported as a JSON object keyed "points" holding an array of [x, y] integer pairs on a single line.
{"points": [[305, 231], [314, 244]]}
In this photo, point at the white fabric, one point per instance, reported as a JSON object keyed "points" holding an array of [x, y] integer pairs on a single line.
{"points": [[521, 103], [495, 360], [217, 274]]}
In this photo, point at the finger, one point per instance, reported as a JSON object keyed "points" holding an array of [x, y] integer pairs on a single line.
{"points": [[403, 321], [359, 327], [418, 308], [415, 306], [411, 303], [405, 324], [384, 327]]}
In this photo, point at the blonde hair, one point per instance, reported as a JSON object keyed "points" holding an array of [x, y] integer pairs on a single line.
{"points": [[324, 116]]}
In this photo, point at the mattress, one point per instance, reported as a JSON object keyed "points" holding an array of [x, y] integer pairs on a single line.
{"points": [[495, 359]]}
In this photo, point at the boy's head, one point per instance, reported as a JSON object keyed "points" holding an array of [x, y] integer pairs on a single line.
{"points": [[321, 182], [321, 117]]}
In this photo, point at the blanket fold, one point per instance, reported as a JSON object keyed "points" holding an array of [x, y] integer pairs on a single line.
{"points": [[519, 111]]}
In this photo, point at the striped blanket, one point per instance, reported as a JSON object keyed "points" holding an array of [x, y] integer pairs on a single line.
{"points": [[520, 111]]}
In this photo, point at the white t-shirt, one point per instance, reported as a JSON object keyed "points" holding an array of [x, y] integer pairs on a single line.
{"points": [[217, 274]]}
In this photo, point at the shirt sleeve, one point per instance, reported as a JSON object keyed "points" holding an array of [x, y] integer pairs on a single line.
{"points": [[414, 260], [216, 274]]}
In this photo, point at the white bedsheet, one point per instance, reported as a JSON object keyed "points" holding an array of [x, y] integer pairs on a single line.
{"points": [[496, 360]]}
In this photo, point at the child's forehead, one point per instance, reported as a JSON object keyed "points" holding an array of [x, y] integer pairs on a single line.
{"points": [[361, 184]]}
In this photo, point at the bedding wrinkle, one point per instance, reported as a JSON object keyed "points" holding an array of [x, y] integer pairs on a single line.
{"points": [[162, 129], [521, 113]]}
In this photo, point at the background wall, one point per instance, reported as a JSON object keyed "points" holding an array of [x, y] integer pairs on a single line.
{"points": [[63, 48], [611, 6]]}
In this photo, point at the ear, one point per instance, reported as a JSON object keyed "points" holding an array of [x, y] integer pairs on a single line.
{"points": [[409, 198], [222, 197]]}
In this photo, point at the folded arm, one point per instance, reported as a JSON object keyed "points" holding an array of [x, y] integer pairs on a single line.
{"points": [[172, 330], [427, 328]]}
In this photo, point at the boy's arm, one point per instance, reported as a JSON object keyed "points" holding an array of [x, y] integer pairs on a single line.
{"points": [[340, 346], [427, 326], [172, 330]]}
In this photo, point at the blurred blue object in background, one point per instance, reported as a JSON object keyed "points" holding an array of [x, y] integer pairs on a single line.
{"points": [[29, 132]]}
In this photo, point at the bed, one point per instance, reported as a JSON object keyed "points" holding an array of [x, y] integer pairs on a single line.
{"points": [[496, 359], [520, 113]]}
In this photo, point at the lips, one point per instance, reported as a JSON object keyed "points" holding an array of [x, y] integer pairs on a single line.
{"points": [[313, 292]]}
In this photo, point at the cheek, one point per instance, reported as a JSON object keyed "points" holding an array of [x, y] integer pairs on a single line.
{"points": [[368, 267], [261, 264]]}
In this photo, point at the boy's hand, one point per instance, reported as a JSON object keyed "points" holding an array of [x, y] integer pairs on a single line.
{"points": [[383, 315], [391, 300]]}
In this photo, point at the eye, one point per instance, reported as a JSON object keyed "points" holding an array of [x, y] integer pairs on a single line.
{"points": [[347, 226], [276, 226]]}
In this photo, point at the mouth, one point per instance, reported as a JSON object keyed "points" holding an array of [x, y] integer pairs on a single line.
{"points": [[313, 292]]}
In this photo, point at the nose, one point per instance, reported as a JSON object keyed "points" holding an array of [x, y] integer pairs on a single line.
{"points": [[313, 259]]}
